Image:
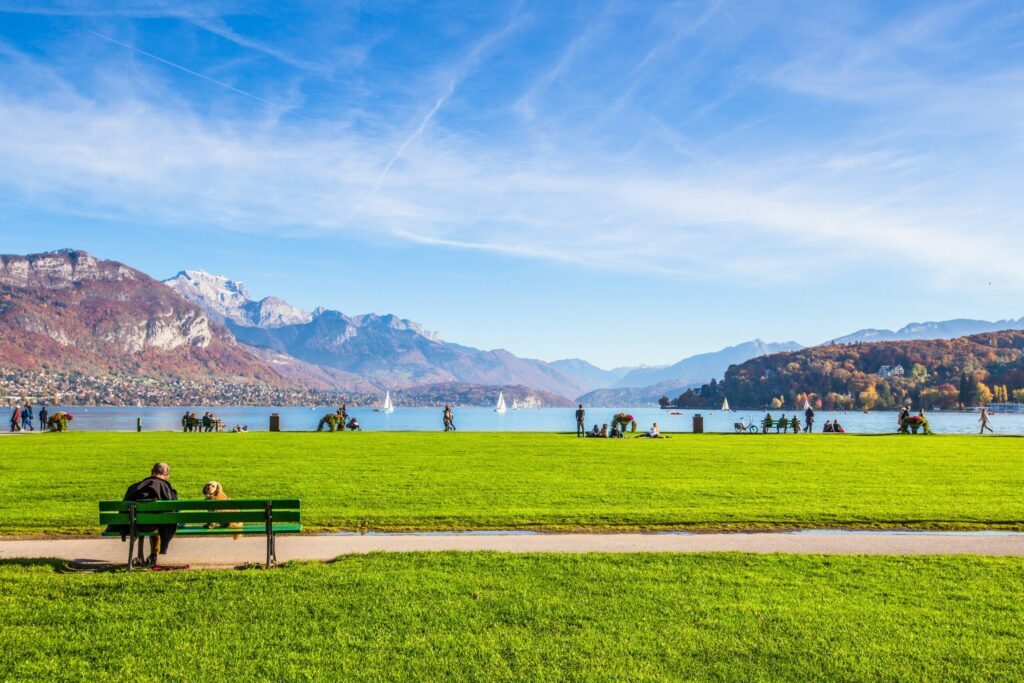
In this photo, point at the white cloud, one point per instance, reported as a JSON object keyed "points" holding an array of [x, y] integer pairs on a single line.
{"points": [[868, 199]]}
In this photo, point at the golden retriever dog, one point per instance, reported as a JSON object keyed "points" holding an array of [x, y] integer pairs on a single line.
{"points": [[212, 490]]}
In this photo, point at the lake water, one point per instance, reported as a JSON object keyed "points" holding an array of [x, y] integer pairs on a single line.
{"points": [[486, 420]]}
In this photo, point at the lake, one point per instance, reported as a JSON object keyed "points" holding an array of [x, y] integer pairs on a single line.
{"points": [[529, 420]]}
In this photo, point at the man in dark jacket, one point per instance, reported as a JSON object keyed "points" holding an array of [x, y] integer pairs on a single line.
{"points": [[155, 487], [44, 415]]}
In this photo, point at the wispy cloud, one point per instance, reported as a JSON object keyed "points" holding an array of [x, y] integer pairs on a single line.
{"points": [[820, 161]]}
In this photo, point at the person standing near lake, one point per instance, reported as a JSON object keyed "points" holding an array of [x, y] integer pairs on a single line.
{"points": [[449, 419], [581, 416], [984, 422], [26, 417], [44, 415], [809, 420]]}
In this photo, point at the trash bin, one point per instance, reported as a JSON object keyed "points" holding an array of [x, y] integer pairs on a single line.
{"points": [[698, 423], [275, 422]]}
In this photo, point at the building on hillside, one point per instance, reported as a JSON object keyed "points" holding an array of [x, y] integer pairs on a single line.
{"points": [[891, 371]]}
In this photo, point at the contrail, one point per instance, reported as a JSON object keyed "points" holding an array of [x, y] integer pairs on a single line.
{"points": [[470, 61], [181, 68]]}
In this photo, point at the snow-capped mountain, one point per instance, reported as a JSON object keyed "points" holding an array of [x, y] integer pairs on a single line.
{"points": [[385, 350], [229, 300]]}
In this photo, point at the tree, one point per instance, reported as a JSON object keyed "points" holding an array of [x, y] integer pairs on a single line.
{"points": [[984, 394], [869, 397], [663, 402]]}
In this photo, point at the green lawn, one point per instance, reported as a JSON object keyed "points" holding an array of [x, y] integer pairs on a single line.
{"points": [[49, 484], [525, 617]]}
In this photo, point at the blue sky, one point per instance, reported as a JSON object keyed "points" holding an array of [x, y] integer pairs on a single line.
{"points": [[627, 182]]}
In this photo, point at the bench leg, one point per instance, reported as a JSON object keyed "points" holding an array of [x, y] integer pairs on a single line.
{"points": [[271, 550], [131, 551]]}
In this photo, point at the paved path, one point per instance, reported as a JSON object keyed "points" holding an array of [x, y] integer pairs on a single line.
{"points": [[228, 552]]}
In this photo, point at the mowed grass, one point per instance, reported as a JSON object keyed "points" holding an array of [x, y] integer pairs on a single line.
{"points": [[523, 617], [50, 484]]}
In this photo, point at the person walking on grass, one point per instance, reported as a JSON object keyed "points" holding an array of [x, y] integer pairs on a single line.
{"points": [[26, 417], [16, 418], [984, 422], [809, 420], [581, 417], [449, 419]]}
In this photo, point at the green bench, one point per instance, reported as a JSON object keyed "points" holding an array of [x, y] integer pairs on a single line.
{"points": [[201, 518]]}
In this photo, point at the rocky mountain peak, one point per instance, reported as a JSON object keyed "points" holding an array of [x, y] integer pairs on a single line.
{"points": [[60, 269], [228, 299]]}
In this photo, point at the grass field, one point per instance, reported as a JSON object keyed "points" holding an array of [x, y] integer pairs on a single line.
{"points": [[524, 617], [390, 481]]}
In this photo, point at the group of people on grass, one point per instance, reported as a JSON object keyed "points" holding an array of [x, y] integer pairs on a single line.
{"points": [[784, 424], [22, 417], [604, 433]]}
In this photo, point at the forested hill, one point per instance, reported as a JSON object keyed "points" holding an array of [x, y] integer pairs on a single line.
{"points": [[947, 373]]}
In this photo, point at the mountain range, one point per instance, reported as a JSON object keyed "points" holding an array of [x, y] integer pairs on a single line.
{"points": [[946, 329], [68, 311], [384, 350]]}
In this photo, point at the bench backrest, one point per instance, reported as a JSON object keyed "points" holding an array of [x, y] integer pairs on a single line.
{"points": [[118, 512]]}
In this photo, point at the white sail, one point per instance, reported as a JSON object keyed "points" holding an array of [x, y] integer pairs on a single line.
{"points": [[388, 405], [807, 405], [500, 408], [515, 404], [725, 405]]}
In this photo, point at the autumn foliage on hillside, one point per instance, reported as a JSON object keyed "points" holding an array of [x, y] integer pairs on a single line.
{"points": [[946, 373]]}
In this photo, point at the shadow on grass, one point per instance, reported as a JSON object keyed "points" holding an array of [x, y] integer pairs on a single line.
{"points": [[59, 566]]}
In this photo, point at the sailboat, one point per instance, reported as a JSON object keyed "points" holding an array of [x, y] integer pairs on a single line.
{"points": [[500, 408], [388, 406], [515, 404], [807, 405], [725, 405]]}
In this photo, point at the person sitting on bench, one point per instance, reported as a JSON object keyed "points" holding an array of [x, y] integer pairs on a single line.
{"points": [[155, 487]]}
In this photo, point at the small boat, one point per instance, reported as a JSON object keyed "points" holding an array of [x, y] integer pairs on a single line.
{"points": [[500, 408], [388, 406], [725, 406], [515, 404]]}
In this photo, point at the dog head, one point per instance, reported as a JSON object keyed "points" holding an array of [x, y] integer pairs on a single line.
{"points": [[212, 490]]}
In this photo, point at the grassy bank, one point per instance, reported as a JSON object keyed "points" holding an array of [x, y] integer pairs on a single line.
{"points": [[533, 617], [546, 481]]}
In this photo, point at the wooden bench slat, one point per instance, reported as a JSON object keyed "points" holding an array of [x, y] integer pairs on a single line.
{"points": [[161, 505], [198, 517], [248, 530]]}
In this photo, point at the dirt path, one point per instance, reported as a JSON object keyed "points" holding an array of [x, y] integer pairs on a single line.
{"points": [[229, 552]]}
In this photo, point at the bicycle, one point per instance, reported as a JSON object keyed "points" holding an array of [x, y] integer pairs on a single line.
{"points": [[745, 425]]}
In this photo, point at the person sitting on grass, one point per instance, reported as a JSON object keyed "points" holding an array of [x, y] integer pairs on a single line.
{"points": [[837, 428], [795, 424], [353, 425], [604, 431], [652, 433], [828, 427], [594, 433]]}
